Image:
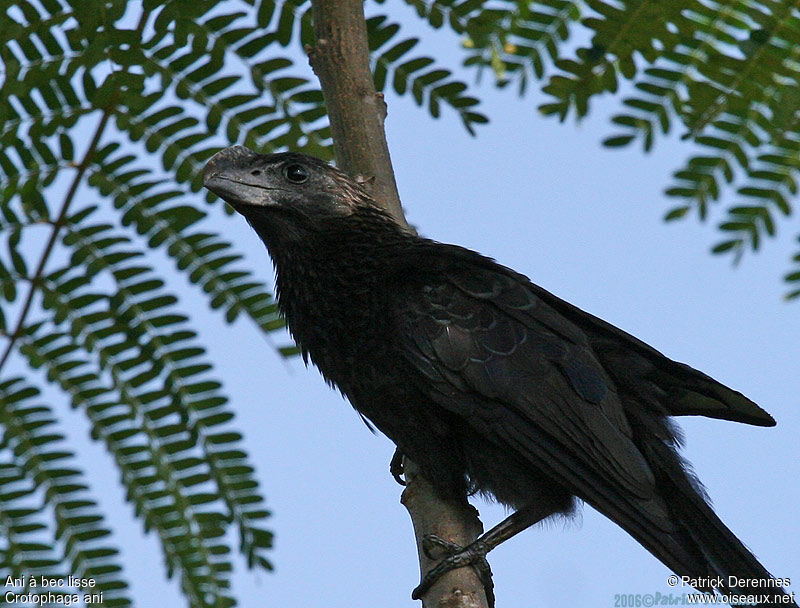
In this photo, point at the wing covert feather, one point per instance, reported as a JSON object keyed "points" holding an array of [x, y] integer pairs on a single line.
{"points": [[489, 350]]}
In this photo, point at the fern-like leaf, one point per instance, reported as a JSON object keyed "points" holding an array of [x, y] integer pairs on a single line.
{"points": [[65, 528]]}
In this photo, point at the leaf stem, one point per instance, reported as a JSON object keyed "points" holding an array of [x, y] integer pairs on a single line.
{"points": [[59, 222]]}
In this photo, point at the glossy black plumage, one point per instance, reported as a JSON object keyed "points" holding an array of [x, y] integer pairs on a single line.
{"points": [[485, 380]]}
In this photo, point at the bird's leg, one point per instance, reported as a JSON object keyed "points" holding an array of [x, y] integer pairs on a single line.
{"points": [[396, 467], [475, 553]]}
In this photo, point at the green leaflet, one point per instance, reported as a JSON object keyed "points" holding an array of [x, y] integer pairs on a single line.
{"points": [[391, 61], [64, 535], [725, 73], [159, 406]]}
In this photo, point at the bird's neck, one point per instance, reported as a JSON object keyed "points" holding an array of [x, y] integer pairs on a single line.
{"points": [[331, 274]]}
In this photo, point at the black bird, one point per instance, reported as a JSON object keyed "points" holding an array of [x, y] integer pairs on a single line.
{"points": [[486, 381]]}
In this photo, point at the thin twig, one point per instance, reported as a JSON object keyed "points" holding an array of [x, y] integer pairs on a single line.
{"points": [[61, 219], [59, 222]]}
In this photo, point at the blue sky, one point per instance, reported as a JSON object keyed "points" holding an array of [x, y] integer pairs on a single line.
{"points": [[584, 223]]}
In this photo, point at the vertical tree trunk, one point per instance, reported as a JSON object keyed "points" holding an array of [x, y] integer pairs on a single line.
{"points": [[340, 59]]}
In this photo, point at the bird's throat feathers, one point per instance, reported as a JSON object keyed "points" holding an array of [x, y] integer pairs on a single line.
{"points": [[330, 269]]}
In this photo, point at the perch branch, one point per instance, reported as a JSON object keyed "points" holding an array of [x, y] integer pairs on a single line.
{"points": [[340, 58]]}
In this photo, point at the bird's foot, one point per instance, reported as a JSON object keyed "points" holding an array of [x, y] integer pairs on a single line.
{"points": [[456, 556]]}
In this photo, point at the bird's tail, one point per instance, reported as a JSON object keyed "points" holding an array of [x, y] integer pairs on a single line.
{"points": [[712, 557], [734, 570]]}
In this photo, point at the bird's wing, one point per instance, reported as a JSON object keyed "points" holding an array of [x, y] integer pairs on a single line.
{"points": [[638, 367], [486, 348]]}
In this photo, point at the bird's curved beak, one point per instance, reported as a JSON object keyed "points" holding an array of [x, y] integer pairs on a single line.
{"points": [[228, 174]]}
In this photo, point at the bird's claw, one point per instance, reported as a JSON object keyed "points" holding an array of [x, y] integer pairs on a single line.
{"points": [[456, 556], [446, 548], [396, 467]]}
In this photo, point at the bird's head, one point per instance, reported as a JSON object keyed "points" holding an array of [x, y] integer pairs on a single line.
{"points": [[293, 184], [303, 209]]}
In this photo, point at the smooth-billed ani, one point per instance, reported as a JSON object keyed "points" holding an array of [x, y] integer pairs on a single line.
{"points": [[485, 380]]}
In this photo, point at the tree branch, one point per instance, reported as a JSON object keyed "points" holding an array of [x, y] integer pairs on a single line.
{"points": [[356, 111], [340, 59]]}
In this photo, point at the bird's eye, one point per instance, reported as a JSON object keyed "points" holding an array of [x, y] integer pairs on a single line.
{"points": [[296, 174]]}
